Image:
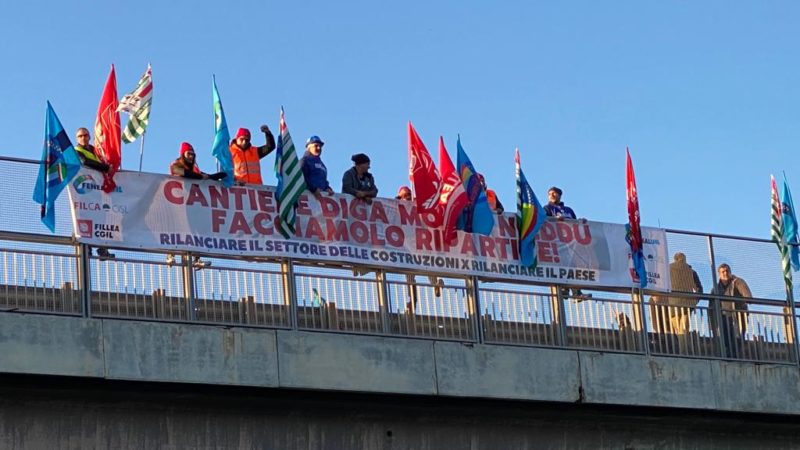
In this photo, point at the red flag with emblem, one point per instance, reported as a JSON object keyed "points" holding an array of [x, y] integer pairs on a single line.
{"points": [[424, 177], [107, 135], [452, 198]]}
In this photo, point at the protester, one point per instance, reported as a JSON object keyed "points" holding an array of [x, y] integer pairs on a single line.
{"points": [[314, 170], [247, 158], [733, 313], [89, 158], [555, 207], [357, 181], [186, 167], [491, 196], [404, 193]]}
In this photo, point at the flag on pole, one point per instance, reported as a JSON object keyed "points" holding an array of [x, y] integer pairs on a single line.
{"points": [[777, 232], [59, 165], [137, 105], [452, 198], [790, 225], [291, 183], [107, 132], [633, 228], [530, 217], [424, 178], [478, 216], [222, 137]]}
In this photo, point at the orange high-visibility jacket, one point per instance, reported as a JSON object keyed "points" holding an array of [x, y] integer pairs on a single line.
{"points": [[246, 164]]}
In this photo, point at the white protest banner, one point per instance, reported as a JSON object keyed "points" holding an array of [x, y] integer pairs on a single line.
{"points": [[150, 211]]}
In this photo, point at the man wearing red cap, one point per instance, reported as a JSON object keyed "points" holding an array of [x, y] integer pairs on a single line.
{"points": [[246, 158]]}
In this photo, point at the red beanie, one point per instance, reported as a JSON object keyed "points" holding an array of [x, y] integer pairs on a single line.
{"points": [[243, 132], [185, 147]]}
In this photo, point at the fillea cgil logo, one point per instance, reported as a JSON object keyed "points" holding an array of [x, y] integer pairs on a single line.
{"points": [[85, 227]]}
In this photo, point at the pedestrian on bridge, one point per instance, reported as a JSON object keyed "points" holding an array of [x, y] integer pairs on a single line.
{"points": [[186, 167], [357, 181], [314, 171], [247, 158], [733, 311], [89, 158]]}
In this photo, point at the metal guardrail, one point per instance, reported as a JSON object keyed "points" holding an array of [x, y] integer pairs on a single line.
{"points": [[54, 275]]}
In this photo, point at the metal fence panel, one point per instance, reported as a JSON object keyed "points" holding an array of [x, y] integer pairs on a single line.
{"points": [[39, 277], [241, 292], [137, 284]]}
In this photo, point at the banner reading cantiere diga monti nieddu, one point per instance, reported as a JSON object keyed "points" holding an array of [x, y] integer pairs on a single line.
{"points": [[151, 211]]}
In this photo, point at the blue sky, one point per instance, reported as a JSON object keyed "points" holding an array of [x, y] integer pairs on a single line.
{"points": [[703, 93]]}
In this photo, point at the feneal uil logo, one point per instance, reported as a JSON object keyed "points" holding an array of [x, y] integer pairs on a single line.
{"points": [[86, 182]]}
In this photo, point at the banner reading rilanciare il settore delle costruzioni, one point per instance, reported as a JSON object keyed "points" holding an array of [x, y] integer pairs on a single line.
{"points": [[150, 211]]}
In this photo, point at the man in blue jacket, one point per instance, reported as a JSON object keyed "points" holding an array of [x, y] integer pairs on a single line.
{"points": [[314, 170]]}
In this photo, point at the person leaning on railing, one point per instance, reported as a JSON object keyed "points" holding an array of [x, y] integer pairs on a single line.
{"points": [[89, 158], [733, 313], [357, 181], [186, 167], [315, 172], [684, 279], [556, 208]]}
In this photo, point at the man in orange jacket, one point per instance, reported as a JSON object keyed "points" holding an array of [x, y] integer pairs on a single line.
{"points": [[247, 158]]}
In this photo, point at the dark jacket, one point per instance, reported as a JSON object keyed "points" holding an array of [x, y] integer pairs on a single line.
{"points": [[89, 158], [733, 313], [737, 287], [314, 172], [684, 279], [351, 183], [559, 210]]}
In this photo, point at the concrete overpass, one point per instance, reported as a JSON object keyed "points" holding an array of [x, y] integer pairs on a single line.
{"points": [[102, 383]]}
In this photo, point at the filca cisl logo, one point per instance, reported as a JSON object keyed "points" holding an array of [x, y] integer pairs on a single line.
{"points": [[86, 182]]}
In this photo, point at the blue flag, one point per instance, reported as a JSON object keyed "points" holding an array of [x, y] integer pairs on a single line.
{"points": [[530, 217], [477, 216], [222, 138], [59, 165], [790, 224]]}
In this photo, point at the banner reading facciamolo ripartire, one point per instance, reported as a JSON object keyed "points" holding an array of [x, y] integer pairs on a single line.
{"points": [[151, 211]]}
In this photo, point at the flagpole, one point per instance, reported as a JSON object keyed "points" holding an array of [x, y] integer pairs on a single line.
{"points": [[141, 151]]}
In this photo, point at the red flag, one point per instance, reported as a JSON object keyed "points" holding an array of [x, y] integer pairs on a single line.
{"points": [[424, 177], [453, 198], [633, 206], [634, 230], [107, 136]]}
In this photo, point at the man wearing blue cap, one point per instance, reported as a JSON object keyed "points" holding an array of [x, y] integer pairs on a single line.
{"points": [[314, 170]]}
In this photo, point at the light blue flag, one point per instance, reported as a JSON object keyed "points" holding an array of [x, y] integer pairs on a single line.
{"points": [[790, 224], [477, 216], [222, 138], [59, 165]]}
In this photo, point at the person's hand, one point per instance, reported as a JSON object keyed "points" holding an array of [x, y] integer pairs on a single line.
{"points": [[318, 194], [264, 129], [205, 176], [329, 191]]}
